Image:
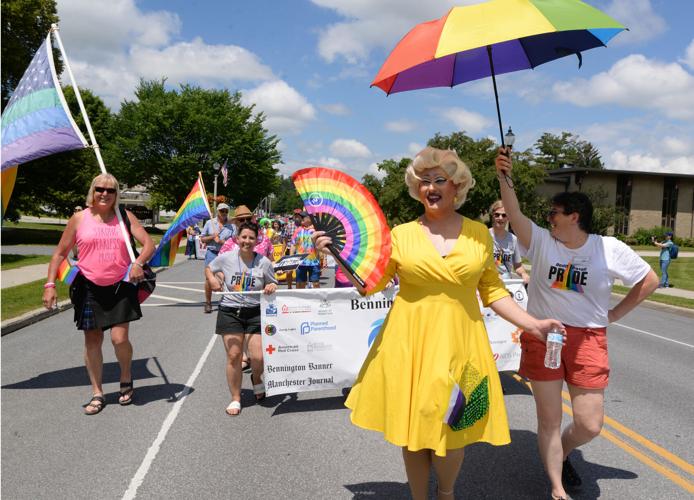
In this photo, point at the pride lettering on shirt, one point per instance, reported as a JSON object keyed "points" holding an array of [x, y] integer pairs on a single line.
{"points": [[568, 277]]}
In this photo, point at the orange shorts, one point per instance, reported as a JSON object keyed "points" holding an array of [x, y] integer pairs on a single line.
{"points": [[584, 361]]}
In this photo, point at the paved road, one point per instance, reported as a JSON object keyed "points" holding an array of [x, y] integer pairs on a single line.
{"points": [[176, 442]]}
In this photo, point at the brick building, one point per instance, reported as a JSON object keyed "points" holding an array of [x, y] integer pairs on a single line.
{"points": [[646, 199]]}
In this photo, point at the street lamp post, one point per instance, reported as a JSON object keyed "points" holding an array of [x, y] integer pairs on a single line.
{"points": [[216, 168]]}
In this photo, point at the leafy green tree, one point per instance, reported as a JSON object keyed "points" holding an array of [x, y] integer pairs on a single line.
{"points": [[557, 151], [59, 182], [25, 24], [286, 197], [164, 137], [603, 214]]}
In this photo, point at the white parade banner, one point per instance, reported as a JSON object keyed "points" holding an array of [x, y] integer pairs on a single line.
{"points": [[317, 339]]}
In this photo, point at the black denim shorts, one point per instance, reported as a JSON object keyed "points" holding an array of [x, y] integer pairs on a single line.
{"points": [[238, 320]]}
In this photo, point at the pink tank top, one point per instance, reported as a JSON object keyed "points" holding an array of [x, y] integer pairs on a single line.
{"points": [[103, 256]]}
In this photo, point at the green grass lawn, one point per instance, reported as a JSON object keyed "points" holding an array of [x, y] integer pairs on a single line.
{"points": [[658, 297], [13, 261], [19, 299], [681, 271]]}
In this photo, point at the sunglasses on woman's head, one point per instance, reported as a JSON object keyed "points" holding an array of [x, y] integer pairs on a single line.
{"points": [[100, 189]]}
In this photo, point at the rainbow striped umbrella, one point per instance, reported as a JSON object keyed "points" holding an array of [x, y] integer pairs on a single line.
{"points": [[490, 38]]}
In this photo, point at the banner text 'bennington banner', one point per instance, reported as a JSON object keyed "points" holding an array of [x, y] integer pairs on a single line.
{"points": [[317, 339]]}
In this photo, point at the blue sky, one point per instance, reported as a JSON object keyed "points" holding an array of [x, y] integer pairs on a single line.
{"points": [[308, 66]]}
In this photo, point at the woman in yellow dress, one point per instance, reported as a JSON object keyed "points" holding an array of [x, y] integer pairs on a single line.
{"points": [[429, 382]]}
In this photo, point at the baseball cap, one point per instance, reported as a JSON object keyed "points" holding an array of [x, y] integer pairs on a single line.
{"points": [[222, 206]]}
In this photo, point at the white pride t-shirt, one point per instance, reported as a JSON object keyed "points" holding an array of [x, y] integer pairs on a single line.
{"points": [[574, 285]]}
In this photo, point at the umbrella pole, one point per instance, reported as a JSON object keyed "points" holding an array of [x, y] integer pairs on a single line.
{"points": [[496, 95]]}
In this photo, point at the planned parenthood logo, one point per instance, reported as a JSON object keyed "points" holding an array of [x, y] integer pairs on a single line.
{"points": [[316, 327], [271, 310]]}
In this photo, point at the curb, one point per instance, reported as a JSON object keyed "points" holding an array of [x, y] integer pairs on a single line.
{"points": [[31, 317]]}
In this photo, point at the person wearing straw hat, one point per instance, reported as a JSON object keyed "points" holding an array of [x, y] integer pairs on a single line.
{"points": [[237, 271], [214, 234]]}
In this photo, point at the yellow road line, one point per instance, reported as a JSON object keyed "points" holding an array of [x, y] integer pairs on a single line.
{"points": [[661, 452]]}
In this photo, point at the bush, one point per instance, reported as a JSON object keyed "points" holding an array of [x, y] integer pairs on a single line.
{"points": [[629, 240], [643, 236]]}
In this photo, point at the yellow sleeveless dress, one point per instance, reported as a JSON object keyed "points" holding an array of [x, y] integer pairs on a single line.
{"points": [[432, 343]]}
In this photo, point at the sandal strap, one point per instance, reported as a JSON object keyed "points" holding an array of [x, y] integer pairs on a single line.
{"points": [[98, 399], [259, 388]]}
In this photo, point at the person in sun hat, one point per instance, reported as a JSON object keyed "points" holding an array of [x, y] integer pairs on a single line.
{"points": [[215, 233]]}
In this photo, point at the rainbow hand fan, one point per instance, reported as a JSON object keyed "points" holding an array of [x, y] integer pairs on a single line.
{"points": [[349, 214]]}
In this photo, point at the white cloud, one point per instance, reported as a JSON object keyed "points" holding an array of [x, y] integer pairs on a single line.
{"points": [[285, 109], [374, 23], [413, 148], [325, 161], [349, 148], [635, 82], [676, 146], [638, 15], [400, 126], [645, 163], [111, 45], [689, 56], [469, 121], [200, 62], [337, 109]]}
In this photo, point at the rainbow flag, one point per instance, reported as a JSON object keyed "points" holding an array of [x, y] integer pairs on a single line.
{"points": [[67, 272], [36, 121], [195, 208]]}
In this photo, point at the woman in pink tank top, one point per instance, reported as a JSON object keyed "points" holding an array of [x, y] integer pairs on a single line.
{"points": [[101, 298]]}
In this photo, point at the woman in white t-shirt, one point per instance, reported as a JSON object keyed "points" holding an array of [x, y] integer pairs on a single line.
{"points": [[573, 273], [241, 270], [507, 257]]}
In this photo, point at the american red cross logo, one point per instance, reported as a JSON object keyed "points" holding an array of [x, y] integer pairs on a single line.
{"points": [[270, 349]]}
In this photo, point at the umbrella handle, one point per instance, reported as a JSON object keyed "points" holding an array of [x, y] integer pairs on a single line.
{"points": [[496, 95]]}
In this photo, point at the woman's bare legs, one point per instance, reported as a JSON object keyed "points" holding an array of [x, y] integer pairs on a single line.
{"points": [[548, 403], [233, 344], [447, 469], [589, 412], [417, 466], [94, 359]]}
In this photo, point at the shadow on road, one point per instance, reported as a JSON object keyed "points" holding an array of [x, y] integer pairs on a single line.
{"points": [[77, 376], [290, 403], [502, 472]]}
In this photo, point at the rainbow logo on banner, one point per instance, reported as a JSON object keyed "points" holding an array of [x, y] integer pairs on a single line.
{"points": [[349, 214], [67, 272], [194, 208]]}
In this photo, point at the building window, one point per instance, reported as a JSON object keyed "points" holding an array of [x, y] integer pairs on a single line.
{"points": [[669, 212], [623, 204]]}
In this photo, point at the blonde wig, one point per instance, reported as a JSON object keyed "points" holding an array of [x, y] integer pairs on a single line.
{"points": [[105, 178], [456, 170]]}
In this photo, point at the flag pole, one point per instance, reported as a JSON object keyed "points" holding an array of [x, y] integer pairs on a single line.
{"points": [[94, 145]]}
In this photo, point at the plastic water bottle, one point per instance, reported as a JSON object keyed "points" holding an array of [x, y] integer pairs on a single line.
{"points": [[555, 341]]}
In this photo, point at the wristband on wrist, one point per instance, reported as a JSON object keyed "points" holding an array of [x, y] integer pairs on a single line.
{"points": [[139, 265], [49, 284]]}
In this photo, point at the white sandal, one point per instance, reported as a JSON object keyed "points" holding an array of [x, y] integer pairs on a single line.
{"points": [[259, 390], [234, 405]]}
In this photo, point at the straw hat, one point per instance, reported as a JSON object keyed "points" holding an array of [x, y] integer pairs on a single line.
{"points": [[242, 211]]}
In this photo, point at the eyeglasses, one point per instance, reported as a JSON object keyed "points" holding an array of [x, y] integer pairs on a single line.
{"points": [[553, 212], [100, 189], [223, 210], [499, 215]]}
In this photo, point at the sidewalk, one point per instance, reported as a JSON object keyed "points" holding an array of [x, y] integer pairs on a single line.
{"points": [[21, 275]]}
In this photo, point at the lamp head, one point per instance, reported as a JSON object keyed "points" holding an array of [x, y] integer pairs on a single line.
{"points": [[510, 138], [216, 166]]}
